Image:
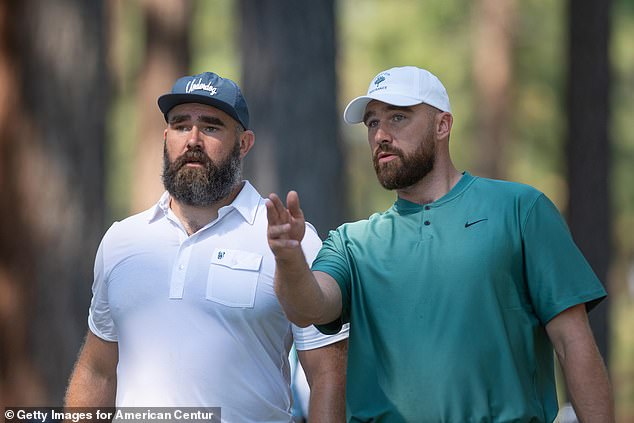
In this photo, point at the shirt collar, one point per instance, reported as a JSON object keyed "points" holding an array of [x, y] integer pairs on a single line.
{"points": [[403, 206], [246, 203], [160, 209]]}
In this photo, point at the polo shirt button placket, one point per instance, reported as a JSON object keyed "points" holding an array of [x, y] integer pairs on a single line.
{"points": [[177, 282], [425, 232]]}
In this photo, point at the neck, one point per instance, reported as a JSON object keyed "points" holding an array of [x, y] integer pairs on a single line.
{"points": [[194, 218], [433, 186]]}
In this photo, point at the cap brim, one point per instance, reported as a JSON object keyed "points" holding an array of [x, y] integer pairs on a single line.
{"points": [[167, 102], [356, 108]]}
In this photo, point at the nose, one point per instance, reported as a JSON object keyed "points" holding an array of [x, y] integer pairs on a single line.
{"points": [[194, 137], [381, 135]]}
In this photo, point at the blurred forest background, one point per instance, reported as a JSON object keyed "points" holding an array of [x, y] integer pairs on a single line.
{"points": [[542, 93]]}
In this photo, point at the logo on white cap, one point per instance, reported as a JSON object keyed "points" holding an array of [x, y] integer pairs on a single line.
{"points": [[377, 81]]}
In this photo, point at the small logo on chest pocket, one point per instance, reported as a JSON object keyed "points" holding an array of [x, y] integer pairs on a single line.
{"points": [[221, 254]]}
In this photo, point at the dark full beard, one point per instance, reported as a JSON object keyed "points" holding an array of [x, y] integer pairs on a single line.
{"points": [[201, 187], [405, 170]]}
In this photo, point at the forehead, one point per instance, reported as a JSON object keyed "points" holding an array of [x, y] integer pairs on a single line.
{"points": [[379, 106], [196, 110]]}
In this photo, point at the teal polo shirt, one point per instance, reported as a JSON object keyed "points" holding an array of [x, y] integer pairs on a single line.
{"points": [[448, 301]]}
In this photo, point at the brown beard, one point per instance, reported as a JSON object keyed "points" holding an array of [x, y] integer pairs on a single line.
{"points": [[405, 170], [204, 186]]}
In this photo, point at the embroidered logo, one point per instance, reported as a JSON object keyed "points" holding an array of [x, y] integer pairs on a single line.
{"points": [[221, 254], [193, 86], [378, 81]]}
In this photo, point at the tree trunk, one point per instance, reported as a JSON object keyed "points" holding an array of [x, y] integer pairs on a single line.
{"points": [[588, 145], [494, 33], [289, 80], [167, 57], [52, 114]]}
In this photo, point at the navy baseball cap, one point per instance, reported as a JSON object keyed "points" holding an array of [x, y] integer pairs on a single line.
{"points": [[210, 89]]}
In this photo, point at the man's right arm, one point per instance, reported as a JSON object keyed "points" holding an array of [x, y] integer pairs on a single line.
{"points": [[307, 297], [94, 379]]}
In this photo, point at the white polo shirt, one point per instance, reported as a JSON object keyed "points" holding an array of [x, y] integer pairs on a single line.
{"points": [[196, 317]]}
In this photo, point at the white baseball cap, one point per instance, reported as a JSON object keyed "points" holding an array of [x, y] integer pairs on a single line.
{"points": [[403, 86]]}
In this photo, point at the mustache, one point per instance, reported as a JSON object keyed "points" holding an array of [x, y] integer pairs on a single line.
{"points": [[191, 156], [386, 148]]}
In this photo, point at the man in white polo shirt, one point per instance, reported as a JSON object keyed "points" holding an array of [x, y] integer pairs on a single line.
{"points": [[184, 311]]}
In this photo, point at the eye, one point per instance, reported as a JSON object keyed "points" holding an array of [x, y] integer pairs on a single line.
{"points": [[182, 128], [371, 123], [398, 117], [209, 129]]}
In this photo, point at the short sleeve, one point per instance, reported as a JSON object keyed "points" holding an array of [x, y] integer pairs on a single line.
{"points": [[558, 275], [99, 318], [309, 338], [311, 243], [333, 260]]}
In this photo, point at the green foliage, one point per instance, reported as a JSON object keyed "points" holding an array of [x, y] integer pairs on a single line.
{"points": [[126, 56], [214, 40], [622, 129], [539, 113]]}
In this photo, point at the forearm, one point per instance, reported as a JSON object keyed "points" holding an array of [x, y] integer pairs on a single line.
{"points": [[93, 382], [326, 374], [87, 389], [588, 384], [298, 291], [327, 403]]}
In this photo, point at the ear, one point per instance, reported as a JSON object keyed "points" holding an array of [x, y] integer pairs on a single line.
{"points": [[165, 136], [444, 121], [247, 139]]}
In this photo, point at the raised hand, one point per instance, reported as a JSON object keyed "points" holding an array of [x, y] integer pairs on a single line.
{"points": [[286, 225]]}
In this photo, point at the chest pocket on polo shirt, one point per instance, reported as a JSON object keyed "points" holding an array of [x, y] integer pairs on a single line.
{"points": [[233, 277]]}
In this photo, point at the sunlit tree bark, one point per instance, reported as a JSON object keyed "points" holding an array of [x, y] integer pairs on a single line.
{"points": [[494, 33]]}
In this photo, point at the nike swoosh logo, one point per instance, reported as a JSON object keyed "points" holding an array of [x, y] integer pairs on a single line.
{"points": [[467, 224]]}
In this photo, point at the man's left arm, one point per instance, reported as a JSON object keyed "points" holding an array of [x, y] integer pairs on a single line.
{"points": [[325, 369], [583, 367]]}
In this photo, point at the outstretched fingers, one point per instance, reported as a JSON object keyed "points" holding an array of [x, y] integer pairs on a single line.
{"points": [[279, 228], [292, 201], [275, 210]]}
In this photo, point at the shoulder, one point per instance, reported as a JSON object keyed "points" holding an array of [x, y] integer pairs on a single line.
{"points": [[359, 230], [530, 205], [504, 195], [508, 189], [359, 226], [130, 223], [127, 232]]}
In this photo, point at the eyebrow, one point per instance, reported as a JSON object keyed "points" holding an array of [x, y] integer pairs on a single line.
{"points": [[178, 118], [211, 120], [389, 107]]}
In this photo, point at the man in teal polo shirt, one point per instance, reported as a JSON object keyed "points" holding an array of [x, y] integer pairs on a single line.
{"points": [[457, 294]]}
